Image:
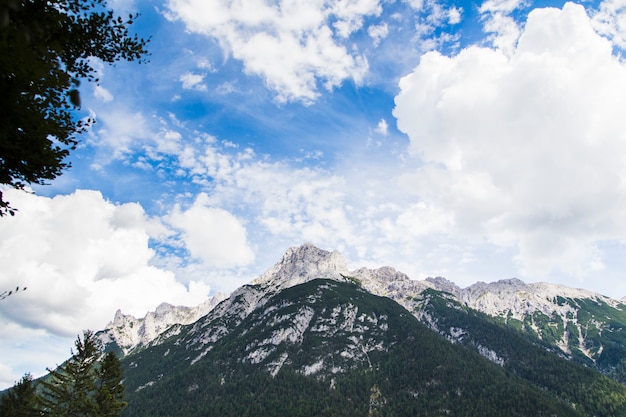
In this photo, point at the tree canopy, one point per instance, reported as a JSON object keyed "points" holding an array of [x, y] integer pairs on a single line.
{"points": [[89, 384], [21, 400], [85, 385], [46, 48]]}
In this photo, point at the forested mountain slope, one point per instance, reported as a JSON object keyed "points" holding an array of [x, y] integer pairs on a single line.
{"points": [[331, 348], [373, 341]]}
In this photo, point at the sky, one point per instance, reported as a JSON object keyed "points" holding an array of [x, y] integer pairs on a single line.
{"points": [[472, 140]]}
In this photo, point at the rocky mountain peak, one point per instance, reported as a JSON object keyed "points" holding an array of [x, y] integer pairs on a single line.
{"points": [[503, 285], [118, 319], [268, 322], [163, 308], [443, 284], [303, 263], [129, 332], [385, 274]]}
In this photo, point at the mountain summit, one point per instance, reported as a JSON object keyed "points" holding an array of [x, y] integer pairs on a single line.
{"points": [[301, 264]]}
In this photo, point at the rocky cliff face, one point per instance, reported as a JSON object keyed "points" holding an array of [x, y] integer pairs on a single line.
{"points": [[572, 320], [301, 264], [579, 323], [128, 332]]}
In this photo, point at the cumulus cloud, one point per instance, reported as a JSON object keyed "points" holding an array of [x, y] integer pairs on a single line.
{"points": [[212, 234], [525, 148], [81, 258], [296, 47], [454, 15]]}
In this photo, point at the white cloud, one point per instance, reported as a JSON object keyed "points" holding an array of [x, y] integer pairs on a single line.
{"points": [[293, 46], [287, 204], [205, 64], [226, 88], [191, 81], [498, 21], [415, 4], [102, 94], [454, 15], [525, 148], [501, 6], [292, 203], [300, 204], [610, 20], [382, 127], [378, 33], [430, 30], [81, 258], [212, 234], [350, 14], [118, 132], [134, 138]]}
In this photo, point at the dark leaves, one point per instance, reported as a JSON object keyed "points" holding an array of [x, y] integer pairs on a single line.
{"points": [[46, 48], [6, 294]]}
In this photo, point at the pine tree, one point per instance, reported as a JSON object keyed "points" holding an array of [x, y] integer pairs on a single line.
{"points": [[110, 395], [70, 389], [84, 387], [20, 401]]}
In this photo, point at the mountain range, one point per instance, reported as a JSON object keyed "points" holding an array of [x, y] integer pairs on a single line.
{"points": [[311, 337]]}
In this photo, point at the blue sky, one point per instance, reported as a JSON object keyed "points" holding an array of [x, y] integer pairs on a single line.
{"points": [[472, 140]]}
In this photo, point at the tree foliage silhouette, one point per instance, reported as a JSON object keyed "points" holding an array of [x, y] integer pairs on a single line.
{"points": [[46, 48], [83, 386], [5, 294], [21, 400], [110, 393]]}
